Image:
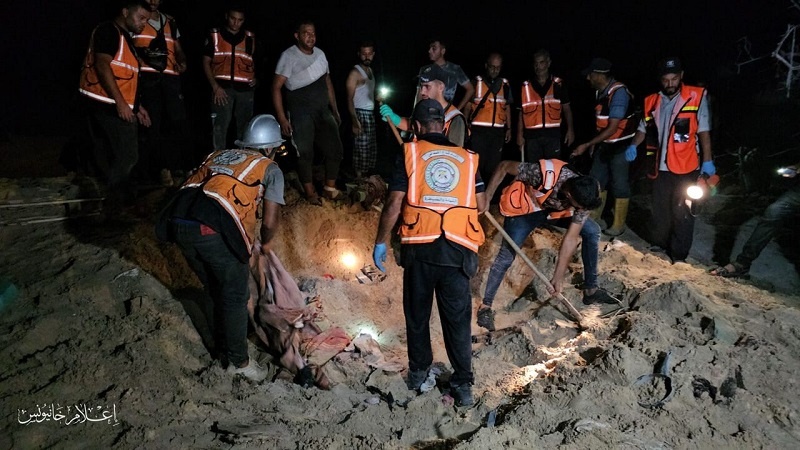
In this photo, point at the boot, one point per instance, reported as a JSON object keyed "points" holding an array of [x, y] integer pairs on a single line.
{"points": [[596, 213], [620, 214]]}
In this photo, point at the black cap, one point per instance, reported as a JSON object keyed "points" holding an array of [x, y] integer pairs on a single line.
{"points": [[669, 65], [599, 65], [428, 110], [431, 73]]}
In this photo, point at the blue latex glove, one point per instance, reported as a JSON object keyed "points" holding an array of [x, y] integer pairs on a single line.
{"points": [[708, 168], [379, 256], [386, 111], [630, 153]]}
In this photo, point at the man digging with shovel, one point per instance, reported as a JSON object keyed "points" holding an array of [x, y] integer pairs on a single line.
{"points": [[546, 189]]}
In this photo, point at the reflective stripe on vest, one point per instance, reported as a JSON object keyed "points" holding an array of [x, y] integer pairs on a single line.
{"points": [[682, 149], [601, 114], [124, 67], [518, 198], [493, 112], [234, 179], [232, 63], [538, 112], [148, 34]]}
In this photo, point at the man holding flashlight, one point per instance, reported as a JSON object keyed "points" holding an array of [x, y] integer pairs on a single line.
{"points": [[361, 105], [677, 127]]}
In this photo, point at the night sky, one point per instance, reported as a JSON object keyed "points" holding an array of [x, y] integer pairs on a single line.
{"points": [[50, 39]]}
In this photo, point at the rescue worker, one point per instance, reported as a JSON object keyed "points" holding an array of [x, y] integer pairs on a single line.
{"points": [[490, 115], [432, 82], [616, 124], [438, 191], [677, 129], [545, 107], [109, 81], [229, 66], [454, 75], [225, 209], [163, 60], [559, 195]]}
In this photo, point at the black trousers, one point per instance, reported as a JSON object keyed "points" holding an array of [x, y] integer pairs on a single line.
{"points": [[421, 281], [672, 224], [488, 143]]}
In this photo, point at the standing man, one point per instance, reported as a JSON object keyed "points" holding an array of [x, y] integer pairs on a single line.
{"points": [[163, 61], [561, 194], [490, 116], [110, 79], [229, 66], [310, 115], [361, 105], [224, 208], [677, 126], [432, 87], [439, 192], [615, 127], [545, 107], [454, 75]]}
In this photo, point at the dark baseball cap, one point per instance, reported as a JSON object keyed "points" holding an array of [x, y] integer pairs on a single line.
{"points": [[599, 65], [428, 110], [431, 73], [669, 65]]}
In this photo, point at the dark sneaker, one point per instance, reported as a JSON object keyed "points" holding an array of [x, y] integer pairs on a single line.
{"points": [[416, 378], [599, 296], [462, 394], [486, 318]]}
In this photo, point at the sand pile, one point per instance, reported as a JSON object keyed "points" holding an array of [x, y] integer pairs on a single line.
{"points": [[105, 320]]}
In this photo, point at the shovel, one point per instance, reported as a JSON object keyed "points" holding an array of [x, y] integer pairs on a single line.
{"points": [[575, 313]]}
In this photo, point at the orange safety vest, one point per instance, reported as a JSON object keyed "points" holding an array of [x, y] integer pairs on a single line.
{"points": [[538, 112], [149, 33], [441, 198], [233, 63], [124, 66], [235, 179], [518, 198], [682, 152], [494, 110], [623, 131]]}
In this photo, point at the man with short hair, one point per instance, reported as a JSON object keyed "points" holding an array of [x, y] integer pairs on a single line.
{"points": [[454, 75], [310, 115], [229, 66], [490, 115], [615, 124], [361, 105], [561, 195], [545, 107], [438, 190], [109, 81], [677, 128]]}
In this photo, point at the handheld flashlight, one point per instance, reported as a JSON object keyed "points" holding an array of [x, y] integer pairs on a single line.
{"points": [[787, 172], [383, 93]]}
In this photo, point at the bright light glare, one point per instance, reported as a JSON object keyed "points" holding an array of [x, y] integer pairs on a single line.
{"points": [[694, 192], [349, 260], [384, 91]]}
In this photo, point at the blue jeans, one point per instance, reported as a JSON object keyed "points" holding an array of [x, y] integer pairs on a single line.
{"points": [[240, 108], [519, 228], [784, 207], [609, 166], [225, 279]]}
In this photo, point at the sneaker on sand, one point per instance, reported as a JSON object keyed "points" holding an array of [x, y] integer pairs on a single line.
{"points": [[486, 318], [462, 394], [599, 296], [252, 371]]}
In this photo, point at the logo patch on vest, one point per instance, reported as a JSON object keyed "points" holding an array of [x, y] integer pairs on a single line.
{"points": [[441, 175], [230, 158]]}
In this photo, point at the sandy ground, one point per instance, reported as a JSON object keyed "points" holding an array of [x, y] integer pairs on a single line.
{"points": [[101, 348]]}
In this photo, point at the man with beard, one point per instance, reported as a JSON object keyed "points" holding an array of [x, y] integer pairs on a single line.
{"points": [[310, 115], [109, 81], [677, 127], [454, 75], [229, 66], [361, 105]]}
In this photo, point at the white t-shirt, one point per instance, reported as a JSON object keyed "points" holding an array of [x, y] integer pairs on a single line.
{"points": [[301, 69]]}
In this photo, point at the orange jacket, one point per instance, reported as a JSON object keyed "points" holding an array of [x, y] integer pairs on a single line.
{"points": [[233, 63], [682, 151], [234, 178], [538, 112], [124, 66], [626, 127], [494, 111], [441, 198], [518, 198], [149, 33]]}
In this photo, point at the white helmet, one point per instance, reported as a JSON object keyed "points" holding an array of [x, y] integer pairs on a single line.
{"points": [[263, 131]]}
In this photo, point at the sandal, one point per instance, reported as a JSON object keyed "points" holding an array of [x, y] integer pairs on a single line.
{"points": [[315, 200], [331, 193], [739, 271]]}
